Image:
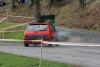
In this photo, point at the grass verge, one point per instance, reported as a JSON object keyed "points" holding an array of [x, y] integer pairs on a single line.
{"points": [[9, 60], [12, 35]]}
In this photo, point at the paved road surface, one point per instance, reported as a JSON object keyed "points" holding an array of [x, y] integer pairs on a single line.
{"points": [[82, 35], [85, 56]]}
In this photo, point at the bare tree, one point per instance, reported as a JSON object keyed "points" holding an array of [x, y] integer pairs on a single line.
{"points": [[37, 9], [13, 4], [48, 3], [82, 3]]}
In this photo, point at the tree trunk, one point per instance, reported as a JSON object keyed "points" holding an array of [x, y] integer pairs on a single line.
{"points": [[37, 10], [82, 3], [48, 3], [13, 4]]}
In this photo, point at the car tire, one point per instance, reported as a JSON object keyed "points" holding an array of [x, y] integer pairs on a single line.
{"points": [[35, 45], [56, 40], [26, 45], [50, 45]]}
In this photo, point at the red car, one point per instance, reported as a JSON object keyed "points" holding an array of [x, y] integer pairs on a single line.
{"points": [[36, 31]]}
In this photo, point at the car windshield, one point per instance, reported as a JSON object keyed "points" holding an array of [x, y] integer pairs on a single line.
{"points": [[31, 28]]}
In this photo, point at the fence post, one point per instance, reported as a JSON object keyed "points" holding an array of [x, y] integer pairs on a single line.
{"points": [[3, 34], [40, 64]]}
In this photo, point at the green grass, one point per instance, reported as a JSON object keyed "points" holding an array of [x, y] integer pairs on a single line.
{"points": [[6, 24], [9, 60], [12, 35]]}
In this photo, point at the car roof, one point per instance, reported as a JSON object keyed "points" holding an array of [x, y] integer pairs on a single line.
{"points": [[36, 23]]}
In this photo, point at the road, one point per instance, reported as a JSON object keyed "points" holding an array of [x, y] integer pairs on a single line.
{"points": [[82, 36], [84, 56]]}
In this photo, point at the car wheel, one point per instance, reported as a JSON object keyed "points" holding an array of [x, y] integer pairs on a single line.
{"points": [[26, 45], [35, 45], [56, 40], [50, 45]]}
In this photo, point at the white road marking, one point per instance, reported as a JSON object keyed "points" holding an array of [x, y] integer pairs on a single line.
{"points": [[57, 43], [13, 31], [16, 16], [16, 25], [3, 19], [71, 43]]}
